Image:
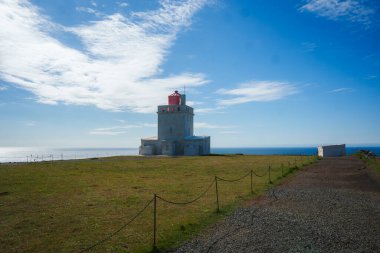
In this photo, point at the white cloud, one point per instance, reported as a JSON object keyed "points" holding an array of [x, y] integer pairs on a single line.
{"points": [[342, 90], [2, 88], [105, 132], [119, 68], [204, 125], [257, 91], [194, 103], [229, 132], [149, 125], [119, 129], [88, 10], [207, 110], [352, 10], [122, 4]]}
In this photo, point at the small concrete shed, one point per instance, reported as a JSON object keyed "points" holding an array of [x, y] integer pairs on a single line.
{"points": [[332, 150]]}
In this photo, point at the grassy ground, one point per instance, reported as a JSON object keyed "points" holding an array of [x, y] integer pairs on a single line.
{"points": [[374, 164], [371, 162], [67, 206]]}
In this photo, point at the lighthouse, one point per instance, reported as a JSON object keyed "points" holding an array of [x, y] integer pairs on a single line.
{"points": [[175, 131]]}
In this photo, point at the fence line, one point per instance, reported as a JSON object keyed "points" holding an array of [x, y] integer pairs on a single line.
{"points": [[233, 180], [257, 175], [188, 202], [157, 197], [118, 230]]}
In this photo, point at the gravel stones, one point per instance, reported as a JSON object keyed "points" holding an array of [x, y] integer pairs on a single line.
{"points": [[331, 206]]}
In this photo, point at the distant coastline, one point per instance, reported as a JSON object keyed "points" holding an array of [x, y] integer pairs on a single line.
{"points": [[30, 154]]}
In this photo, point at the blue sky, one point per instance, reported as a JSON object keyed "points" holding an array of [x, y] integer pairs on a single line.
{"points": [[76, 73]]}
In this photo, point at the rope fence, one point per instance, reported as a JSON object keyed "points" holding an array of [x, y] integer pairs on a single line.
{"points": [[121, 228], [157, 198], [233, 180], [257, 175], [188, 202]]}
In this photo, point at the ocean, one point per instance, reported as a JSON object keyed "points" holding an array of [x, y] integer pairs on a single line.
{"points": [[33, 154], [287, 150]]}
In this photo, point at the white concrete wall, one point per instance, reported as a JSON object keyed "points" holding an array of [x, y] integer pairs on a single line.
{"points": [[332, 150], [168, 148], [146, 150], [175, 129], [199, 146], [191, 149], [175, 122], [149, 146]]}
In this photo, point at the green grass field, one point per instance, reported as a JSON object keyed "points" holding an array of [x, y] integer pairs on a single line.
{"points": [[373, 164], [67, 206]]}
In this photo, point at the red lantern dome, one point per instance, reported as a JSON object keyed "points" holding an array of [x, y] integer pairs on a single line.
{"points": [[174, 99]]}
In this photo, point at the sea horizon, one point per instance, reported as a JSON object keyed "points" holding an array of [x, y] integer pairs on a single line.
{"points": [[35, 154]]}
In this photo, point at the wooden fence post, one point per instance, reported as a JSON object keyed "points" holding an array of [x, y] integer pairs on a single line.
{"points": [[154, 221], [251, 182], [217, 194], [270, 180]]}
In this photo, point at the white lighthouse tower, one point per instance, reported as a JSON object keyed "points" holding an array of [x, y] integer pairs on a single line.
{"points": [[175, 131]]}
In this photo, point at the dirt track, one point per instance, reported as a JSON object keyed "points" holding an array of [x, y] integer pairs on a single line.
{"points": [[331, 206]]}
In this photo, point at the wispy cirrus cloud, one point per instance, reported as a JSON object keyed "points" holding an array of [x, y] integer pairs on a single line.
{"points": [[229, 132], [342, 90], [119, 67], [119, 129], [257, 91], [89, 10], [2, 88], [208, 110], [107, 132], [122, 4], [352, 10], [309, 46], [204, 125]]}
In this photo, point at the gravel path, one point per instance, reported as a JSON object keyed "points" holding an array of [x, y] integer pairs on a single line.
{"points": [[331, 206]]}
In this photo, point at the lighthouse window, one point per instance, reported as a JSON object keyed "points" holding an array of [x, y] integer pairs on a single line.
{"points": [[171, 130]]}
